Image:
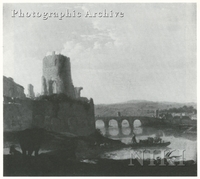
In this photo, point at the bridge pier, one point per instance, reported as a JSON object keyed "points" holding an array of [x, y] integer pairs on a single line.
{"points": [[131, 127], [130, 121], [120, 128], [106, 132], [106, 123], [119, 122]]}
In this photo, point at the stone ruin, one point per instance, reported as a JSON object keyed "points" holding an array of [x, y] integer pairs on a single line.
{"points": [[56, 77], [31, 93], [74, 114]]}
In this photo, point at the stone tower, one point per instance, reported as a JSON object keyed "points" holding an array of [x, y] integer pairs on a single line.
{"points": [[31, 93], [56, 77]]}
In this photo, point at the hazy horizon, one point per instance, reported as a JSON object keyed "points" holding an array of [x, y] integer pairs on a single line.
{"points": [[149, 53], [138, 100]]}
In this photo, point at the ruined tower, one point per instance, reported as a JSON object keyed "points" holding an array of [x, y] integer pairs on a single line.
{"points": [[56, 77], [78, 91], [31, 93]]}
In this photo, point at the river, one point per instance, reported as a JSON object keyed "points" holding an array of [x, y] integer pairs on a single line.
{"points": [[183, 144]]}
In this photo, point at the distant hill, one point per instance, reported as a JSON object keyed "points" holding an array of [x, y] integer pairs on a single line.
{"points": [[136, 108]]}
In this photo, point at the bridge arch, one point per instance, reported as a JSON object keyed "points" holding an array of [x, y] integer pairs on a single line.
{"points": [[137, 123], [125, 123], [126, 131], [113, 123], [138, 130], [114, 131], [99, 123]]}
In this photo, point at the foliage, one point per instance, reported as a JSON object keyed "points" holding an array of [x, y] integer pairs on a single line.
{"points": [[186, 109], [63, 98]]}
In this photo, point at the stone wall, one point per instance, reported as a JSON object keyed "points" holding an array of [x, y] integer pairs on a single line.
{"points": [[12, 89], [73, 116], [17, 114]]}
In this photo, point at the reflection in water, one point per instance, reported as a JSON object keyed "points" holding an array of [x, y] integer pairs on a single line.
{"points": [[177, 144], [137, 130], [137, 123], [113, 131], [103, 131], [160, 133], [178, 141], [126, 131]]}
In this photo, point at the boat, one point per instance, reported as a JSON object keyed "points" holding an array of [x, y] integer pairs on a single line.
{"points": [[145, 145], [149, 142]]}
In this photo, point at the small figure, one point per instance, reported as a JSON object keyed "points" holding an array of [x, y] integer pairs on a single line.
{"points": [[134, 139], [157, 138]]}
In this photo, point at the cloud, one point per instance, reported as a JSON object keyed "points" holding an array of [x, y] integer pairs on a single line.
{"points": [[85, 9], [97, 45], [72, 48]]}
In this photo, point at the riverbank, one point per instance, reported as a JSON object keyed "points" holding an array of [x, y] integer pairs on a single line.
{"points": [[45, 165], [66, 155]]}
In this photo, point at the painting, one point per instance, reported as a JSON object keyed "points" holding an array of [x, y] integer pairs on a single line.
{"points": [[100, 89]]}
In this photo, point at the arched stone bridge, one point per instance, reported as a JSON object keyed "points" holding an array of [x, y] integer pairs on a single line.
{"points": [[144, 120]]}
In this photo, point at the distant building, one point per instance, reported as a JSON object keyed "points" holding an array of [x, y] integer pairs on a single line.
{"points": [[119, 114], [194, 117], [156, 113], [12, 89], [180, 114]]}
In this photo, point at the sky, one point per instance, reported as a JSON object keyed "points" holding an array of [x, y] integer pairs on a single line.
{"points": [[147, 52]]}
